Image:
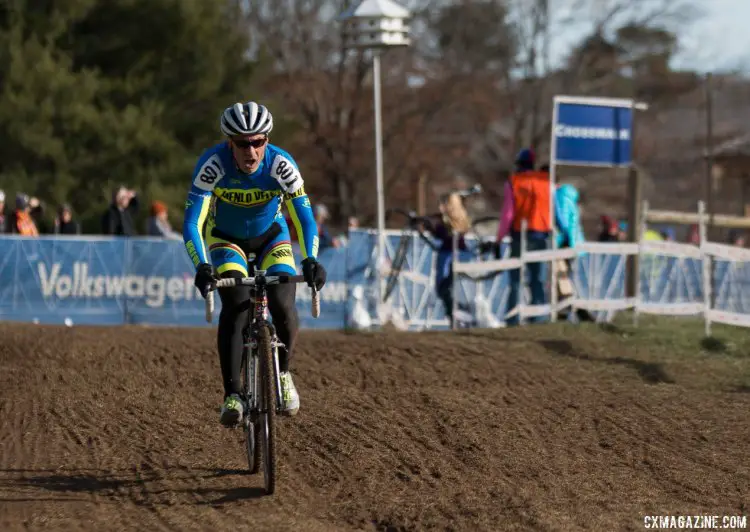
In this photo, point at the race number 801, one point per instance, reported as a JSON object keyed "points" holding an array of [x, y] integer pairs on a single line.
{"points": [[210, 173]]}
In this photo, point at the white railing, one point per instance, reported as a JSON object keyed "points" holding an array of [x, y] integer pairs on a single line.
{"points": [[683, 284]]}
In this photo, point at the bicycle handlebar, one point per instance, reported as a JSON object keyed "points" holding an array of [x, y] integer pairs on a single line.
{"points": [[267, 280]]}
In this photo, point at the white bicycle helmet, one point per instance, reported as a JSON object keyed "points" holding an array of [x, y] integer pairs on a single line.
{"points": [[246, 119]]}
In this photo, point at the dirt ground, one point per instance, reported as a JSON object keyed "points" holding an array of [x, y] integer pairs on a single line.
{"points": [[546, 428]]}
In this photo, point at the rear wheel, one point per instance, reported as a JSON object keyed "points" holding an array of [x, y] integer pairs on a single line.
{"points": [[266, 418]]}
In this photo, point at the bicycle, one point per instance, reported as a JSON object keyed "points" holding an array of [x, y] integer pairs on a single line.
{"points": [[261, 387], [422, 226]]}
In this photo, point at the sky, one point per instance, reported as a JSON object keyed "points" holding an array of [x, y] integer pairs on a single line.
{"points": [[719, 40]]}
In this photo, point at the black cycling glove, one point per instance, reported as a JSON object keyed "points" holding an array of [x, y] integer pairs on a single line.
{"points": [[204, 278], [314, 273]]}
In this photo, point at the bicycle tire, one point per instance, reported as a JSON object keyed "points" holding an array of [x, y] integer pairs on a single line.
{"points": [[252, 445], [267, 415], [257, 456], [246, 423], [256, 422]]}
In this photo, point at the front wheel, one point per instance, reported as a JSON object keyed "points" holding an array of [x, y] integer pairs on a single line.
{"points": [[252, 447], [267, 414], [249, 388], [255, 431]]}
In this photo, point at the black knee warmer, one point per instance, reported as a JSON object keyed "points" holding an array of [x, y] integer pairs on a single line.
{"points": [[284, 315], [235, 306]]}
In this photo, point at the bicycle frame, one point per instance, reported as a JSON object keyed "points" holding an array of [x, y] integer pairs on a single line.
{"points": [[256, 319], [258, 281]]}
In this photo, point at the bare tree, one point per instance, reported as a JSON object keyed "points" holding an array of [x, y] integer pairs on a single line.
{"points": [[327, 91], [475, 86], [551, 60]]}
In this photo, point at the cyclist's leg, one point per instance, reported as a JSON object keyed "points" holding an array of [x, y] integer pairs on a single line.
{"points": [[277, 259], [281, 305], [230, 261]]}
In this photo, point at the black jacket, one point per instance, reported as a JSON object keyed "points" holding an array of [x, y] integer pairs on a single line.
{"points": [[117, 222]]}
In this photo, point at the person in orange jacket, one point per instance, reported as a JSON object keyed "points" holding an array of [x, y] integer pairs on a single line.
{"points": [[23, 223], [527, 196]]}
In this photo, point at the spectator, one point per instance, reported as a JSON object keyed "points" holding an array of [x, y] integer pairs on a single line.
{"points": [[3, 220], [609, 231], [118, 218], [568, 217], [158, 222], [325, 240], [353, 222], [527, 197], [668, 234], [37, 214], [455, 220], [64, 224], [23, 223], [694, 235], [737, 238], [653, 236], [622, 231], [570, 235]]}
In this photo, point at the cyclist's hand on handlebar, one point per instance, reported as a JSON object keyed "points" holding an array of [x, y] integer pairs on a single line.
{"points": [[204, 278], [314, 273]]}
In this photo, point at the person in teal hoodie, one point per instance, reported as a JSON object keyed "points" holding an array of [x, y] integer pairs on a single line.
{"points": [[569, 232], [568, 217]]}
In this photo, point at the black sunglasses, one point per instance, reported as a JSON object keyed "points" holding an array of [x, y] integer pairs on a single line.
{"points": [[255, 143]]}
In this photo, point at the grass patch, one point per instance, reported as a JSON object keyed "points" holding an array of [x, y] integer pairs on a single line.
{"points": [[661, 350]]}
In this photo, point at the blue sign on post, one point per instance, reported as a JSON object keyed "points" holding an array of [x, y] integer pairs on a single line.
{"points": [[592, 131]]}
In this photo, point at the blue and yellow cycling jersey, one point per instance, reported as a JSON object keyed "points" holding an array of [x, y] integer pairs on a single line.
{"points": [[244, 206]]}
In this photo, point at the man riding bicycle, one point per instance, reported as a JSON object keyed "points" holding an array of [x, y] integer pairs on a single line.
{"points": [[238, 187]]}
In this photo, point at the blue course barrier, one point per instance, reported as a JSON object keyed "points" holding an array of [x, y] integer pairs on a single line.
{"points": [[106, 281]]}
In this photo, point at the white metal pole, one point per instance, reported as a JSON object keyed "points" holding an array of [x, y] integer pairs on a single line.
{"points": [[706, 263], [641, 237], [379, 172], [552, 190]]}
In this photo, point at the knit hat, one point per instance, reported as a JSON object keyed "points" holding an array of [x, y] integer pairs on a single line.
{"points": [[22, 200], [158, 207]]}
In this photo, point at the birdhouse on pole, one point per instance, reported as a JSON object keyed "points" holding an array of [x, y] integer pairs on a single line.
{"points": [[376, 24]]}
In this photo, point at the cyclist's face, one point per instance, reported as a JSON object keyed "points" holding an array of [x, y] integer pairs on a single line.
{"points": [[248, 151]]}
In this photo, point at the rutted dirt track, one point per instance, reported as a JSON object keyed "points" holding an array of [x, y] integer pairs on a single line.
{"points": [[108, 429]]}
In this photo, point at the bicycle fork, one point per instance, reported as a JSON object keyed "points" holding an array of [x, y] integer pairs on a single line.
{"points": [[253, 404], [253, 367]]}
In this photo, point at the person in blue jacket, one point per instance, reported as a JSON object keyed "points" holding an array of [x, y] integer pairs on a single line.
{"points": [[568, 217], [569, 234]]}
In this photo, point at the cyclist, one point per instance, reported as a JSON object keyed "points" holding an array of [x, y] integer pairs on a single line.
{"points": [[237, 190]]}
